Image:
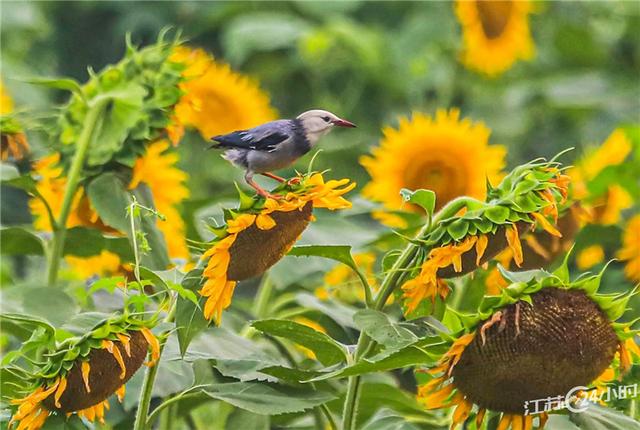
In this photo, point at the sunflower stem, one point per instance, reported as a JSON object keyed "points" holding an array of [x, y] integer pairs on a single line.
{"points": [[389, 284], [150, 378], [75, 173]]}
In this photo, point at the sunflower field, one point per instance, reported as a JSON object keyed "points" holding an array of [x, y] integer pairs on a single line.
{"points": [[468, 257]]}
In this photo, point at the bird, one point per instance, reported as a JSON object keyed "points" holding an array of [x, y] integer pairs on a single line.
{"points": [[276, 144]]}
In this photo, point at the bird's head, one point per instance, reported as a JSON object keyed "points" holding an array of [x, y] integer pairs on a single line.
{"points": [[317, 123]]}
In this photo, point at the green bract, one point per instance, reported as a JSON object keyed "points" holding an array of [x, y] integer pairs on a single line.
{"points": [[141, 90]]}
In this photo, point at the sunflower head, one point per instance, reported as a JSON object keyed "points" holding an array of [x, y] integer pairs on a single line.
{"points": [[539, 338], [216, 99], [495, 34], [530, 195], [84, 371], [260, 232], [446, 154]]}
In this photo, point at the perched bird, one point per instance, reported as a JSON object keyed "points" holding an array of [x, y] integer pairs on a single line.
{"points": [[276, 144]]}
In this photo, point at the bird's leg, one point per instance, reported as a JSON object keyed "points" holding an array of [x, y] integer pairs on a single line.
{"points": [[261, 191], [293, 181], [272, 176]]}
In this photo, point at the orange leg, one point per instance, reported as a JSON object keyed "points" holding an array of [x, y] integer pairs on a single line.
{"points": [[261, 191], [272, 176]]}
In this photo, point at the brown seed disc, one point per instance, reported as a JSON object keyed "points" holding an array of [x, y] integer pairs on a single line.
{"points": [[497, 243], [564, 341], [494, 16], [104, 376], [254, 250]]}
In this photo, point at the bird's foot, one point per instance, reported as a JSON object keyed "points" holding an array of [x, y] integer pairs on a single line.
{"points": [[268, 195], [293, 181]]}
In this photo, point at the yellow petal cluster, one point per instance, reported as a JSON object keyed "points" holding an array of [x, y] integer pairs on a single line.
{"points": [[218, 288], [216, 99], [630, 251], [495, 34], [447, 154]]}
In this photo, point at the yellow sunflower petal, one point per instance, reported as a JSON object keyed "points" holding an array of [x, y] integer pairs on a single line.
{"points": [[513, 240], [85, 368], [59, 391], [546, 225]]}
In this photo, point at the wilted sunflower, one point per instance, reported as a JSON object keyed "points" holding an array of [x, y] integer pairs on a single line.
{"points": [[261, 232], [84, 371], [495, 34], [448, 155], [528, 197], [538, 339], [216, 99], [630, 252]]}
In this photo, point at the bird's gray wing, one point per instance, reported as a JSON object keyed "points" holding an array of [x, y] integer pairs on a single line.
{"points": [[265, 137]]}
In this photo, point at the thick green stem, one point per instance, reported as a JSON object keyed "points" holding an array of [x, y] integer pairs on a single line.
{"points": [[389, 284], [73, 179], [150, 378]]}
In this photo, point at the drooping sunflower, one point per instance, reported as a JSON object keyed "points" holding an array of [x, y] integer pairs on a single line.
{"points": [[538, 339], [446, 154], [83, 371], [259, 233], [528, 197], [495, 34], [630, 252], [216, 99]]}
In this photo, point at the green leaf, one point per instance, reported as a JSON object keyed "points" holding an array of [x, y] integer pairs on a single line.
{"points": [[67, 84], [18, 241], [110, 199], [124, 111], [8, 172], [425, 351], [327, 350], [341, 253], [426, 199], [169, 280], [458, 229], [268, 399], [497, 214], [598, 417], [190, 319], [385, 419], [380, 328]]}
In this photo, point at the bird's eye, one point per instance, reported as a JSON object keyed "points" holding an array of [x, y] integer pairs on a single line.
{"points": [[326, 118]]}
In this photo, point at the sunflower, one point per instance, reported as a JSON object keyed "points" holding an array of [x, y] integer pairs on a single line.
{"points": [[216, 99], [538, 339], [448, 155], [82, 375], [13, 141], [495, 34], [257, 236], [157, 169], [343, 283], [51, 185], [606, 207], [6, 103], [528, 197], [104, 264], [630, 252]]}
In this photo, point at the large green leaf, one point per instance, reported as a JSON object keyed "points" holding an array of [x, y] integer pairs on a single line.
{"points": [[110, 198], [387, 420], [124, 111], [327, 350], [18, 241], [268, 399], [602, 418], [380, 328], [190, 319], [341, 253]]}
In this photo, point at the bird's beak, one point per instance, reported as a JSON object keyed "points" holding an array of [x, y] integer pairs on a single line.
{"points": [[343, 123]]}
